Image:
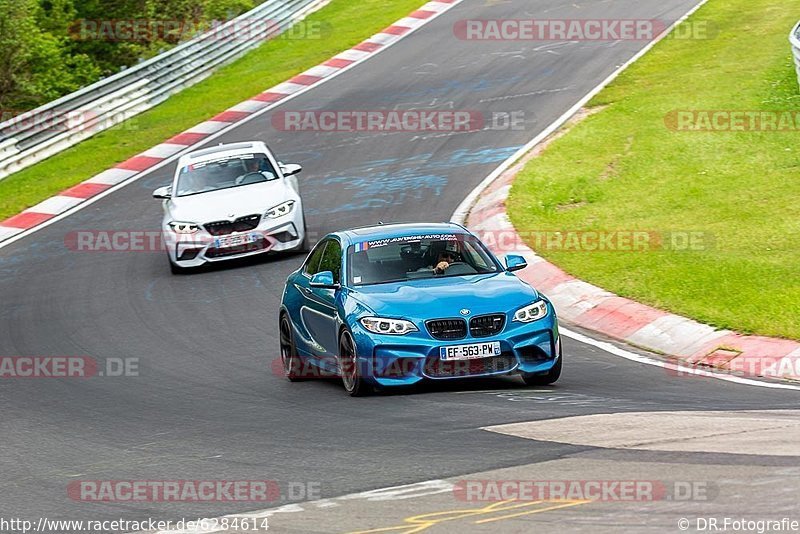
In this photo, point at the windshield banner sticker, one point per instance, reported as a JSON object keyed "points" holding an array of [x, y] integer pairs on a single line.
{"points": [[366, 245]]}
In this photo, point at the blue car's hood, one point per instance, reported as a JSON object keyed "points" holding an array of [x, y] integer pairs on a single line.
{"points": [[446, 297]]}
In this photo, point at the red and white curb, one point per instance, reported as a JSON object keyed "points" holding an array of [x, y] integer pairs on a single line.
{"points": [[596, 309], [77, 196], [692, 344]]}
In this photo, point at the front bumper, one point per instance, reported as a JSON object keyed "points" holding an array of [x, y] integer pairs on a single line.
{"points": [[271, 235], [404, 360]]}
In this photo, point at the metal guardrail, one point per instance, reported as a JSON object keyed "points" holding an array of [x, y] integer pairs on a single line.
{"points": [[794, 38], [38, 134]]}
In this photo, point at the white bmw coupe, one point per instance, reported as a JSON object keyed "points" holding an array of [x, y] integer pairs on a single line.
{"points": [[231, 201]]}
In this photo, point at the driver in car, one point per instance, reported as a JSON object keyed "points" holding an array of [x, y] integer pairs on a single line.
{"points": [[257, 165], [444, 260]]}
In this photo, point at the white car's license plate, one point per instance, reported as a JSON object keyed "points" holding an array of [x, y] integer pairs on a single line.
{"points": [[474, 351], [234, 240]]}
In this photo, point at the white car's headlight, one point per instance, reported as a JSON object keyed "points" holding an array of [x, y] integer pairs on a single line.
{"points": [[184, 227], [381, 325], [280, 210], [532, 312]]}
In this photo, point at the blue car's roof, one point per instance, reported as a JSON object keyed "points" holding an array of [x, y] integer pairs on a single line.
{"points": [[382, 231]]}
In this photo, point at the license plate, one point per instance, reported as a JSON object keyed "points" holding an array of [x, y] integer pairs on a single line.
{"points": [[234, 240], [474, 351]]}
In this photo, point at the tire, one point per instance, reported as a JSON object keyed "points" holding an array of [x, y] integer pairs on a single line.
{"points": [[289, 356], [544, 379], [354, 383]]}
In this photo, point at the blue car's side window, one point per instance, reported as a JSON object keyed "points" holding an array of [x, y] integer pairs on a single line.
{"points": [[332, 260], [312, 264]]}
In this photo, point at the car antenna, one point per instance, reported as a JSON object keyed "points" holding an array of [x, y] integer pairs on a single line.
{"points": [[380, 223]]}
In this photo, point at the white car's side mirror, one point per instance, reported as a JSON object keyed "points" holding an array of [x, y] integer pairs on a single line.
{"points": [[163, 192], [290, 169]]}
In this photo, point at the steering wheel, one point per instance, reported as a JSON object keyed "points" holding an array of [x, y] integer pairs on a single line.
{"points": [[449, 265], [249, 178]]}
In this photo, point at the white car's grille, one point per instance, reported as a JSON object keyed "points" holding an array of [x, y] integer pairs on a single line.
{"points": [[242, 224]]}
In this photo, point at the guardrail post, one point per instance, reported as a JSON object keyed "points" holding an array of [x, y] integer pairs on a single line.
{"points": [[794, 39]]}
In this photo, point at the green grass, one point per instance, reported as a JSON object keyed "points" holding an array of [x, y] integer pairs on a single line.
{"points": [[622, 168], [345, 23]]}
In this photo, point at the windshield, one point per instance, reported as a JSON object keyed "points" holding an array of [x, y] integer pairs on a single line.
{"points": [[224, 173], [418, 257]]}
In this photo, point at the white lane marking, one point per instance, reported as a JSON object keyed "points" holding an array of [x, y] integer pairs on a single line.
{"points": [[357, 56], [391, 493], [687, 369]]}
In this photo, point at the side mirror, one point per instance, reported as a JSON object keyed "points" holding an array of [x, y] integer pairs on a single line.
{"points": [[163, 192], [323, 280], [515, 263], [289, 169]]}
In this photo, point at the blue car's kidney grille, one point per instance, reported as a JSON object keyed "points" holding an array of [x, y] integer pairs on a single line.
{"points": [[487, 325], [242, 224], [447, 329]]}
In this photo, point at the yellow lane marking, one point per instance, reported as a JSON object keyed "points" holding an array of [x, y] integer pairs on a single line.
{"points": [[537, 511], [419, 523]]}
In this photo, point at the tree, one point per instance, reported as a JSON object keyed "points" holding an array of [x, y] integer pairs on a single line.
{"points": [[35, 65]]}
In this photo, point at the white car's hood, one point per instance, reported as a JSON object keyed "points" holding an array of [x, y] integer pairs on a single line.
{"points": [[228, 204]]}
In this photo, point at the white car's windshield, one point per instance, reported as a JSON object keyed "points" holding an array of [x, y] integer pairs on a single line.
{"points": [[417, 257], [224, 173]]}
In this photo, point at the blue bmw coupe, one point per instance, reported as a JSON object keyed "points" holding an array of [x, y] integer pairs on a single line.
{"points": [[391, 305]]}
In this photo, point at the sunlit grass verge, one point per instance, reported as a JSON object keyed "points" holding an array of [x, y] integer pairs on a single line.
{"points": [[629, 168]]}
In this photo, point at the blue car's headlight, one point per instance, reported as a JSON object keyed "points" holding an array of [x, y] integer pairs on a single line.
{"points": [[532, 312], [381, 325]]}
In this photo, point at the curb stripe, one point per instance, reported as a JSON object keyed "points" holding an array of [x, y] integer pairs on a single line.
{"points": [[85, 190], [186, 138], [269, 97], [422, 14], [138, 163], [338, 63], [367, 46], [305, 79], [230, 116], [27, 219]]}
